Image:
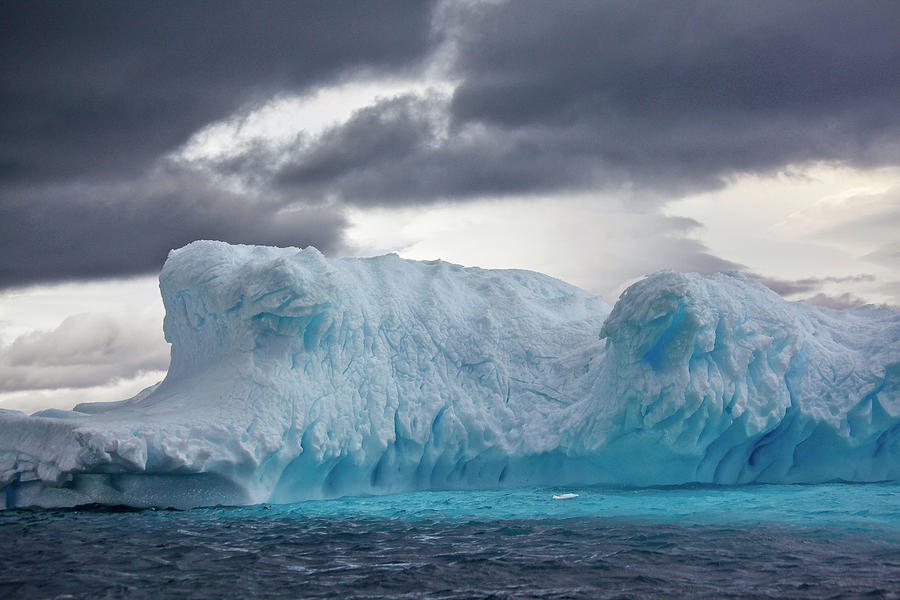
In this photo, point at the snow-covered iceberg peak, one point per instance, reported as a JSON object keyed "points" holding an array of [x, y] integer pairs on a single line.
{"points": [[294, 376], [225, 301], [718, 379]]}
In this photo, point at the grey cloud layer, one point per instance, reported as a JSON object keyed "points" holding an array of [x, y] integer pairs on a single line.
{"points": [[841, 301], [656, 97], [94, 94], [86, 350], [90, 231], [665, 97], [792, 287], [395, 153], [693, 89], [94, 88]]}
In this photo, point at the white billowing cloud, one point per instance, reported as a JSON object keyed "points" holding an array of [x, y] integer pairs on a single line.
{"points": [[67, 343], [43, 307], [85, 350]]}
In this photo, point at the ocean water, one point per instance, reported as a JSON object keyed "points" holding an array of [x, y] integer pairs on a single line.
{"points": [[764, 541]]}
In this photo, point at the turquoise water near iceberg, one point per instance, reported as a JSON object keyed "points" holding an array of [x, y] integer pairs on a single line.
{"points": [[841, 505], [765, 541]]}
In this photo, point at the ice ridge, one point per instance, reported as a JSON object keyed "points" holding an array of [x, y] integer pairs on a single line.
{"points": [[293, 376]]}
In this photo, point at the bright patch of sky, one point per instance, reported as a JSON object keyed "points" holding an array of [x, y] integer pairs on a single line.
{"points": [[44, 307], [282, 120], [119, 354], [818, 221], [787, 225], [66, 398]]}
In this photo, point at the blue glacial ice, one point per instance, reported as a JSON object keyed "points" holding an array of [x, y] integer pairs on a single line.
{"points": [[293, 377]]}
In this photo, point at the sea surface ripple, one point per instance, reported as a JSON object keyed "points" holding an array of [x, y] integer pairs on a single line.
{"points": [[823, 541]]}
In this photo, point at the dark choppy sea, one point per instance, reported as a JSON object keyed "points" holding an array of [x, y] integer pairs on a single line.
{"points": [[814, 541]]}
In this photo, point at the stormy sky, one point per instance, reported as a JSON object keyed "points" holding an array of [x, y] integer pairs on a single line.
{"points": [[594, 141]]}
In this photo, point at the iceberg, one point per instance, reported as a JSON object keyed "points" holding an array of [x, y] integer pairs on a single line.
{"points": [[293, 376]]}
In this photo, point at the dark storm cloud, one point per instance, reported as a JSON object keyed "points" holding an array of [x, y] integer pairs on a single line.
{"points": [[653, 98], [396, 152], [660, 97], [89, 231], [92, 94], [692, 89], [105, 87], [399, 151]]}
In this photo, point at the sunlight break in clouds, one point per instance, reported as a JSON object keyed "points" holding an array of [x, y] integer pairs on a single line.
{"points": [[281, 121]]}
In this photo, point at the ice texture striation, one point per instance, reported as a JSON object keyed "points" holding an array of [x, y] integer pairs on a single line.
{"points": [[293, 376]]}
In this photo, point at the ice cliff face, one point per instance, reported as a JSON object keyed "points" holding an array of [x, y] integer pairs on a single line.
{"points": [[294, 376], [718, 379]]}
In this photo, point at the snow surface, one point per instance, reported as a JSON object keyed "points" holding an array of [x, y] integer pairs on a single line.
{"points": [[294, 376]]}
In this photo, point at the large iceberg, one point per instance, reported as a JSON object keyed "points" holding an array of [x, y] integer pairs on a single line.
{"points": [[293, 376]]}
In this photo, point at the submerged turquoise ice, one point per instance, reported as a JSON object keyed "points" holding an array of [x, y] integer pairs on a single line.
{"points": [[295, 377]]}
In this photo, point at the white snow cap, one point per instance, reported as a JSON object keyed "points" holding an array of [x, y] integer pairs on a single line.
{"points": [[294, 376]]}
